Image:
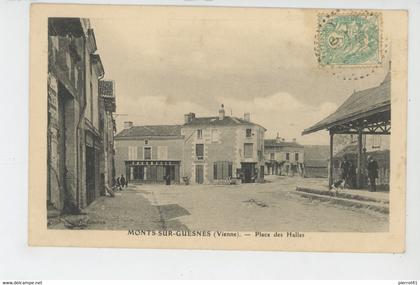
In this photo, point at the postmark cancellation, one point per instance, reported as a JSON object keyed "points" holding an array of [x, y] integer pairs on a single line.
{"points": [[349, 39]]}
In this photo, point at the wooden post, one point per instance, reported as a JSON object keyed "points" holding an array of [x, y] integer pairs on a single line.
{"points": [[359, 159], [331, 166]]}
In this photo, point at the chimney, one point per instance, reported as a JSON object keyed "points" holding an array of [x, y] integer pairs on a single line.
{"points": [[294, 140], [128, 125], [282, 139], [247, 117], [189, 117], [278, 138], [222, 113]]}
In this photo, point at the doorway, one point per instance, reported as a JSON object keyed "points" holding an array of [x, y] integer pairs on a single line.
{"points": [[90, 174], [248, 171], [199, 174]]}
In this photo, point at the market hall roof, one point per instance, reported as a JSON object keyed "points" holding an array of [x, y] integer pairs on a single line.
{"points": [[359, 105], [154, 131], [215, 121]]}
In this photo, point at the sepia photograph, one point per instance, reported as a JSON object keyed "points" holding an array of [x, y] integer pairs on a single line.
{"points": [[218, 123]]}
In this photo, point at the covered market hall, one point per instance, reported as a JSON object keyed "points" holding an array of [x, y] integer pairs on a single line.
{"points": [[364, 113]]}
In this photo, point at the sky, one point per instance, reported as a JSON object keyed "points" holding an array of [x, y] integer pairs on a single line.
{"points": [[173, 62]]}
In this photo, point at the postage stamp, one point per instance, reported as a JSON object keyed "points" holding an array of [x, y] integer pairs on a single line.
{"points": [[349, 39]]}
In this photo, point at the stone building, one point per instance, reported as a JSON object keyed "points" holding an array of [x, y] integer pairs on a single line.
{"points": [[283, 157], [219, 148], [203, 150], [108, 129], [75, 136], [147, 154]]}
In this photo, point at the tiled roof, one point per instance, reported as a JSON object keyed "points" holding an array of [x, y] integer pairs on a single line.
{"points": [[274, 143], [214, 121], [358, 105], [316, 163], [317, 152], [150, 131]]}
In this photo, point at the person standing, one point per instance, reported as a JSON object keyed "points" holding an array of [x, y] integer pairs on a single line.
{"points": [[168, 179], [345, 169], [372, 170], [118, 184], [352, 175], [122, 181]]}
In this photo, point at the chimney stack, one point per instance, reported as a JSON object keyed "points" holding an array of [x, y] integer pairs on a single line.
{"points": [[222, 112], [189, 117], [247, 117], [128, 125], [278, 138], [294, 140]]}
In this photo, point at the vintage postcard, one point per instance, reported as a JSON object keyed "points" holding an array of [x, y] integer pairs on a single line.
{"points": [[217, 128]]}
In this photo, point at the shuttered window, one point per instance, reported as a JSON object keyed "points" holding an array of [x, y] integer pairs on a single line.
{"points": [[147, 153], [248, 150], [222, 170], [132, 153], [214, 135], [162, 152], [248, 133], [199, 151]]}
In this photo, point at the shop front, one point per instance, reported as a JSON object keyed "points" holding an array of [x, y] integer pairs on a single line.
{"points": [[153, 172]]}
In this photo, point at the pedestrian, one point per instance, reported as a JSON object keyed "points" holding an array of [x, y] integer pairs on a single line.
{"points": [[352, 175], [168, 179], [119, 183], [372, 170], [255, 178], [345, 167], [122, 181]]}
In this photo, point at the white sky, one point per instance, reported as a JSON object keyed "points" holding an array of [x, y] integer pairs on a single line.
{"points": [[173, 63]]}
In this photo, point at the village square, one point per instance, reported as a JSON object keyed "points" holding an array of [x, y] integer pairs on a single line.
{"points": [[221, 170]]}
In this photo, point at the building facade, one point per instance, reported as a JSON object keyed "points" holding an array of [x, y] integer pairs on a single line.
{"points": [[221, 148], [108, 129], [203, 150], [282, 157], [149, 154], [75, 137]]}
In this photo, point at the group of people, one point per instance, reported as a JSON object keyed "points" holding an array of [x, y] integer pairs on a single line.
{"points": [[348, 173], [119, 183]]}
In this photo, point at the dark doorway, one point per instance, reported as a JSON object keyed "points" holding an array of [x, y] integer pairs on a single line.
{"points": [[199, 174], [248, 171], [90, 174], [262, 172]]}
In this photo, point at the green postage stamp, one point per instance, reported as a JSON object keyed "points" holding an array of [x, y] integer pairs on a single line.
{"points": [[349, 39]]}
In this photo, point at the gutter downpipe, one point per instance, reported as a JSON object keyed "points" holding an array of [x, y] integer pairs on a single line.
{"points": [[81, 116]]}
